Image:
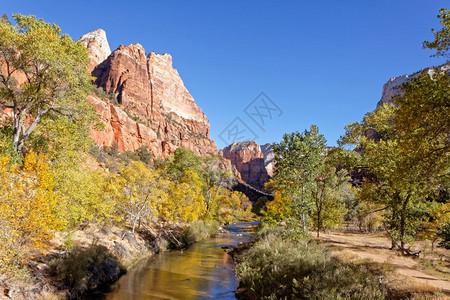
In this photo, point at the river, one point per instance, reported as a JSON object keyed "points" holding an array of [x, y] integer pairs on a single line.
{"points": [[204, 271]]}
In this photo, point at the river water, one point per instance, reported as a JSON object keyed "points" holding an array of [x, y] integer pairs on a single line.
{"points": [[204, 271]]}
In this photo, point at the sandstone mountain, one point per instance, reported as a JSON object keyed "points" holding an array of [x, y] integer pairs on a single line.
{"points": [[392, 87], [253, 162], [98, 46], [154, 109]]}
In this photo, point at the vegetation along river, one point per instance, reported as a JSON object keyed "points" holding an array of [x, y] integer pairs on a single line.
{"points": [[204, 271]]}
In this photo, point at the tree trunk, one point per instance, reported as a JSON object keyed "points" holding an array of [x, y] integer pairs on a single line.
{"points": [[134, 225], [318, 222], [304, 222], [16, 131], [403, 223]]}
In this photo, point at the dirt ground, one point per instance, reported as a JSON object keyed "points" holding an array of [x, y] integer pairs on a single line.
{"points": [[430, 272]]}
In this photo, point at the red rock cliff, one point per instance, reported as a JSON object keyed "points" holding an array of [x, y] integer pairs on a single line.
{"points": [[155, 109], [253, 163]]}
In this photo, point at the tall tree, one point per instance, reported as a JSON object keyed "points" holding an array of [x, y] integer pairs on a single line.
{"points": [[327, 193], [298, 161], [411, 159], [43, 73], [214, 177], [28, 209]]}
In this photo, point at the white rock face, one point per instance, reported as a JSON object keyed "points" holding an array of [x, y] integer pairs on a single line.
{"points": [[97, 45], [269, 158], [392, 87]]}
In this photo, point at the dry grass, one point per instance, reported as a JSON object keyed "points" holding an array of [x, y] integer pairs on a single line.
{"points": [[426, 277]]}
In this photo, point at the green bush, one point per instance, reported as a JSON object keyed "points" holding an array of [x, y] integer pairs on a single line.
{"points": [[280, 268], [7, 145], [84, 269], [198, 231], [259, 205], [444, 233], [100, 92]]}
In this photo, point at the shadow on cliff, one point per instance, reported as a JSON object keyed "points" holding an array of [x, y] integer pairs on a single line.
{"points": [[255, 174]]}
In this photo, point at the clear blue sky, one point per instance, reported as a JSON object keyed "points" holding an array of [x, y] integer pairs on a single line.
{"points": [[321, 62]]}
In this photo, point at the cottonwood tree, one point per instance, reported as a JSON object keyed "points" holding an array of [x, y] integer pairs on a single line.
{"points": [[441, 42], [141, 195], [410, 161], [43, 73], [214, 178], [28, 209], [298, 161], [327, 193]]}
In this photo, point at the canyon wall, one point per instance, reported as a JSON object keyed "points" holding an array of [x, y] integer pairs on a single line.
{"points": [[146, 103], [253, 162], [393, 86]]}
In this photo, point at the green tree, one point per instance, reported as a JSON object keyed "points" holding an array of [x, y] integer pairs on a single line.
{"points": [[43, 74], [183, 160], [298, 161], [441, 42], [327, 193], [410, 161]]}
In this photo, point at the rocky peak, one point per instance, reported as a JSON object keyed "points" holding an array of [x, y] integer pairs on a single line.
{"points": [[155, 109], [97, 45], [167, 85], [252, 161], [135, 51]]}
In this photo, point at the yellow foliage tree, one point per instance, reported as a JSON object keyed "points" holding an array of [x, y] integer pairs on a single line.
{"points": [[278, 209], [142, 195], [28, 209], [187, 197], [82, 193]]}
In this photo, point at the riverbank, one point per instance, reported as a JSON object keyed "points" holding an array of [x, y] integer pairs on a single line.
{"points": [[80, 261], [202, 271], [281, 264]]}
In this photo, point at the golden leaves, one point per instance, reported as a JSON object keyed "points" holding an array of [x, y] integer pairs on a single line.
{"points": [[28, 207]]}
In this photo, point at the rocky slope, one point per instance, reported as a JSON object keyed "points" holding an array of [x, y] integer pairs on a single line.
{"points": [[154, 109], [253, 162], [392, 87]]}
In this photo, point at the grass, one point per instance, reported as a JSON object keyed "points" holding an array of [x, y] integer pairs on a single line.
{"points": [[397, 272], [199, 231], [435, 267], [278, 267]]}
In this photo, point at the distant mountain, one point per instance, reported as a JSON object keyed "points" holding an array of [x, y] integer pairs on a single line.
{"points": [[253, 162]]}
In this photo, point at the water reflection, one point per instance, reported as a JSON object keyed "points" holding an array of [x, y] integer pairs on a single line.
{"points": [[204, 271]]}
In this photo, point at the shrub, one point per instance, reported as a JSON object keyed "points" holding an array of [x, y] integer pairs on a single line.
{"points": [[7, 146], [280, 268], [84, 269], [444, 233], [198, 231]]}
